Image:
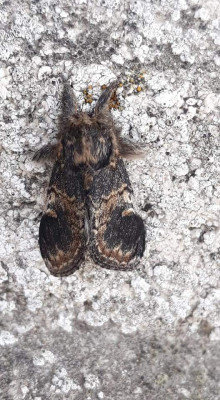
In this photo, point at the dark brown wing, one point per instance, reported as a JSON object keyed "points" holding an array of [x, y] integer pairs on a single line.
{"points": [[117, 234], [62, 228]]}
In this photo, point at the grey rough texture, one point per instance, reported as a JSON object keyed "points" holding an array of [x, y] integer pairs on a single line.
{"points": [[148, 334]]}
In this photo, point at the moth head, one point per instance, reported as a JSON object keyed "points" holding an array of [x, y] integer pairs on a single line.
{"points": [[71, 114]]}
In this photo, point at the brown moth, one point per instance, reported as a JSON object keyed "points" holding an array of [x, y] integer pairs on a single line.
{"points": [[89, 201]]}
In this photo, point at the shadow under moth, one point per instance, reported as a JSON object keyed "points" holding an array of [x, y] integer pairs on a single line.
{"points": [[89, 203]]}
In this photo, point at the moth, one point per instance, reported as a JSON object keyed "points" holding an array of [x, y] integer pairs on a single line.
{"points": [[89, 199]]}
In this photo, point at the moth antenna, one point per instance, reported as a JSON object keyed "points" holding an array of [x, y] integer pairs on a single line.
{"points": [[102, 103], [69, 104], [49, 151]]}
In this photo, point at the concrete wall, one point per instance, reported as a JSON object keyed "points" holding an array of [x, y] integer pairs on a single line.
{"points": [[147, 334]]}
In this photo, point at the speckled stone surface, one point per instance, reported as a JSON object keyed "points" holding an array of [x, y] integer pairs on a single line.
{"points": [[152, 333]]}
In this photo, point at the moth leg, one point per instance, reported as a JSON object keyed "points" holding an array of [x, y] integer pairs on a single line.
{"points": [[47, 151], [102, 103], [131, 150]]}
